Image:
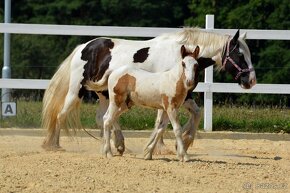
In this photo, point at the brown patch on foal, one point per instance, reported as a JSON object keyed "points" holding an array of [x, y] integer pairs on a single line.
{"points": [[180, 92], [124, 85], [165, 101]]}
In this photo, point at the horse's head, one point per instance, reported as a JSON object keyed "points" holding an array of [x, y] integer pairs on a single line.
{"points": [[189, 65], [236, 59]]}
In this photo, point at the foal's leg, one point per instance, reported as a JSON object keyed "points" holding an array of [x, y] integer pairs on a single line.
{"points": [[160, 122], [117, 134], [109, 119], [190, 128], [181, 153], [155, 136], [101, 110]]}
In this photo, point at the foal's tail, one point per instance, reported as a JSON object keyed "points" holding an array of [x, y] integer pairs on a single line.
{"points": [[99, 85], [53, 101]]}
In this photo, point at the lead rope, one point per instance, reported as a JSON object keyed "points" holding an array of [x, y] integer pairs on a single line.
{"points": [[91, 134]]}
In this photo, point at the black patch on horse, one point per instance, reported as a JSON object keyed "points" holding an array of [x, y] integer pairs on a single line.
{"points": [[105, 93], [98, 56], [141, 55], [202, 64]]}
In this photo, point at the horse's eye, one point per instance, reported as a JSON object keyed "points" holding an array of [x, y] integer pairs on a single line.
{"points": [[240, 54]]}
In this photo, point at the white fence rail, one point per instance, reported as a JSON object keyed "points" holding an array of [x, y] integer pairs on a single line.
{"points": [[78, 30], [207, 87], [201, 87]]}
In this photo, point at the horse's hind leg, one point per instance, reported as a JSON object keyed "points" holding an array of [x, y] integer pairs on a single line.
{"points": [[70, 100], [156, 134], [190, 128]]}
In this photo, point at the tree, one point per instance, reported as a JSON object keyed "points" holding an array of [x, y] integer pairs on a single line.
{"points": [[270, 58]]}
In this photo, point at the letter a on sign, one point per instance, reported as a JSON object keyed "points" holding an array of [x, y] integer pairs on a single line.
{"points": [[9, 109]]}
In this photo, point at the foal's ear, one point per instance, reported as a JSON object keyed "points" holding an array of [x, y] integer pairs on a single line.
{"points": [[183, 51], [196, 52], [235, 38]]}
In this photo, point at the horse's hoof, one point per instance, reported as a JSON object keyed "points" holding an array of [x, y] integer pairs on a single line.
{"points": [[120, 150], [187, 141], [148, 157], [52, 147]]}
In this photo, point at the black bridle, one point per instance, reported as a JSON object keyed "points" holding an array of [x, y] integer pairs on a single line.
{"points": [[228, 58]]}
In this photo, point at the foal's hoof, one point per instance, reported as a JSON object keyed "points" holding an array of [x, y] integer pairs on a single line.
{"points": [[148, 154], [108, 154], [184, 158]]}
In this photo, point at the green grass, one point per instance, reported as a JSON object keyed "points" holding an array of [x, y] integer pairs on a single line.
{"points": [[224, 118]]}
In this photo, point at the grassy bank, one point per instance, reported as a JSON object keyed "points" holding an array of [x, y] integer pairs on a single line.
{"points": [[224, 118]]}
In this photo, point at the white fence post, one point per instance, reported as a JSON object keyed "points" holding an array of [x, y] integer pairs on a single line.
{"points": [[6, 70], [208, 96]]}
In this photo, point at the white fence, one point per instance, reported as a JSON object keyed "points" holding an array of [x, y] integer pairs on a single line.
{"points": [[208, 87]]}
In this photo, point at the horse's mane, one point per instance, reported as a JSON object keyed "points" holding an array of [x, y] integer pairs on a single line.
{"points": [[195, 35], [198, 36], [211, 43]]}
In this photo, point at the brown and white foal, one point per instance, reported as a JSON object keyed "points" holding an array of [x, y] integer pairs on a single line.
{"points": [[130, 86]]}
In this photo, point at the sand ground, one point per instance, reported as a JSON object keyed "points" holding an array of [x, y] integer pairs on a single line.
{"points": [[215, 166]]}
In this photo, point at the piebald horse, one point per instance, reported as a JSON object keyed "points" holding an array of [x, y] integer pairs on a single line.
{"points": [[90, 61]]}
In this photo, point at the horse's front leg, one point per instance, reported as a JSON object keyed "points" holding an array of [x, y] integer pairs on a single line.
{"points": [[190, 128], [117, 134]]}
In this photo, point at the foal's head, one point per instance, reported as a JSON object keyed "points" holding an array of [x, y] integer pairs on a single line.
{"points": [[189, 65]]}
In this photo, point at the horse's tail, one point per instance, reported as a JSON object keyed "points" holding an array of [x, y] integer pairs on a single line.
{"points": [[54, 98], [100, 84]]}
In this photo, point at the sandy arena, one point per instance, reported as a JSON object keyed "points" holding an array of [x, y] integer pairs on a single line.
{"points": [[216, 166]]}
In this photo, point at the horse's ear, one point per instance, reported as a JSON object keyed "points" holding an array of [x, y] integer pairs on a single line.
{"points": [[183, 51], [196, 52], [235, 38]]}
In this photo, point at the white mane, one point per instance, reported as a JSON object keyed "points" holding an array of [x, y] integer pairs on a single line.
{"points": [[211, 44]]}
